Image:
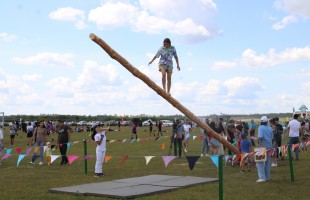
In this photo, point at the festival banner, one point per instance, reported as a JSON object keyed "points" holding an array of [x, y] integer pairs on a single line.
{"points": [[168, 159], [18, 150], [192, 161], [28, 150], [107, 158], [54, 157], [148, 159], [20, 157], [71, 159]]}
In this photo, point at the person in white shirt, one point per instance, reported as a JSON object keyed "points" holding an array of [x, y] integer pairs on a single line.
{"points": [[294, 130], [187, 128], [99, 136], [1, 139]]}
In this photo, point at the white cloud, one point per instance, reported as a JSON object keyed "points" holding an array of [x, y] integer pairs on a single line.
{"points": [[67, 14], [31, 77], [221, 65], [298, 7], [7, 37], [70, 14], [284, 22], [159, 16], [242, 87], [46, 59], [272, 58]]}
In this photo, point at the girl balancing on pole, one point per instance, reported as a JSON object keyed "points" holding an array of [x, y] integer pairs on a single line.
{"points": [[166, 52]]}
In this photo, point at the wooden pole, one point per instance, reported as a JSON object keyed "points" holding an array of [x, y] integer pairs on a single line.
{"points": [[114, 55]]}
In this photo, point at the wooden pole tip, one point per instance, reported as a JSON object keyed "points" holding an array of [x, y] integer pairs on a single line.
{"points": [[92, 36]]}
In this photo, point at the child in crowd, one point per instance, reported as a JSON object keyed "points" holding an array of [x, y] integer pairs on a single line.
{"points": [[48, 153], [134, 130], [246, 147]]}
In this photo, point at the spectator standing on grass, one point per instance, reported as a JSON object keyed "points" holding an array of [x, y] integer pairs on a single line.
{"points": [[179, 130], [64, 134], [205, 141], [252, 132], [187, 128], [294, 130], [160, 125], [304, 136], [265, 136], [29, 134], [231, 136], [151, 128], [1, 139], [40, 134], [278, 136], [13, 132], [99, 136], [134, 130], [214, 144]]}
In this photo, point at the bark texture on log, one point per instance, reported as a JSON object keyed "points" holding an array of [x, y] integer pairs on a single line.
{"points": [[113, 54]]}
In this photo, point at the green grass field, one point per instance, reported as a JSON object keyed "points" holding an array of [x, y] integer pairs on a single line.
{"points": [[32, 182]]}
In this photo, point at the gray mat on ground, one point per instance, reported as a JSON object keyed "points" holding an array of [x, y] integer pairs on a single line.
{"points": [[135, 187]]}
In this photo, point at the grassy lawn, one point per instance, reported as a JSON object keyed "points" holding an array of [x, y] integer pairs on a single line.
{"points": [[32, 182]]}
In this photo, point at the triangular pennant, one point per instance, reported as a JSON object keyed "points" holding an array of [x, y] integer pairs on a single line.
{"points": [[75, 142], [5, 156], [54, 157], [28, 150], [107, 158], [279, 150], [295, 146], [8, 151], [37, 149], [215, 160], [133, 140], [168, 159], [192, 161], [18, 150], [111, 141], [34, 157], [123, 159], [44, 148], [156, 138], [201, 137], [20, 157], [226, 158], [160, 138], [242, 157], [308, 143], [68, 145], [251, 154], [72, 158], [87, 157], [194, 137], [148, 159], [124, 140], [163, 146]]}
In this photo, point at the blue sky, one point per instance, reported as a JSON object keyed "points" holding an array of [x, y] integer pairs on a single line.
{"points": [[236, 57]]}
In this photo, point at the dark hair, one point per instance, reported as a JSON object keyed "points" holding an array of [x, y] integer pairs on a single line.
{"points": [[263, 123], [94, 132], [167, 40], [296, 116]]}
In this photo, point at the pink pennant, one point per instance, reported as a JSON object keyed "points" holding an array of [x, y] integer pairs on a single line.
{"points": [[201, 137], [72, 158], [18, 150], [28, 150], [87, 157], [5, 156], [123, 159], [168, 159]]}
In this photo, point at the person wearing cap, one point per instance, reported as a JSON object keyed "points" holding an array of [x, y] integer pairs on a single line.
{"points": [[166, 52], [294, 130], [64, 133], [265, 136]]}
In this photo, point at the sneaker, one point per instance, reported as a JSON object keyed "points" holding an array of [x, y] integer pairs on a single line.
{"points": [[31, 163], [201, 155], [185, 150], [96, 175], [41, 163], [260, 181], [101, 174]]}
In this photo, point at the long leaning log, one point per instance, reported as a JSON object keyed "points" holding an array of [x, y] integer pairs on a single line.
{"points": [[113, 54]]}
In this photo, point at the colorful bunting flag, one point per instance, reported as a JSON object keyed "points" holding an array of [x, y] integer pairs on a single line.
{"points": [[87, 157], [201, 137], [75, 142], [192, 161], [8, 151], [123, 159], [72, 158], [148, 159], [163, 146], [18, 150], [112, 141], [68, 145], [194, 137], [107, 158], [5, 156], [28, 150], [54, 157], [215, 160], [168, 159], [44, 148], [20, 157], [133, 140]]}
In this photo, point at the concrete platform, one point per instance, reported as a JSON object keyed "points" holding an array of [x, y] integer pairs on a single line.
{"points": [[135, 187]]}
